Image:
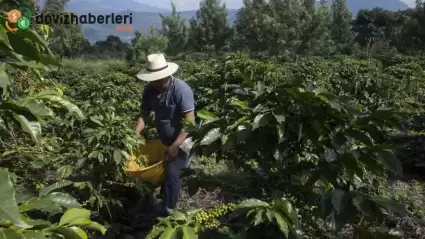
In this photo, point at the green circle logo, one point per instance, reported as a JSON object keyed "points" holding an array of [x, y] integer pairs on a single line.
{"points": [[23, 23]]}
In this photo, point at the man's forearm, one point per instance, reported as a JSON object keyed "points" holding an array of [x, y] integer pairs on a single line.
{"points": [[180, 139], [183, 134], [141, 124]]}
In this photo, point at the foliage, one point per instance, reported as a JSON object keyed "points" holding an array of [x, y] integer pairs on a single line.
{"points": [[243, 221], [210, 30], [175, 30], [98, 146], [313, 145], [16, 222], [278, 29], [310, 129], [145, 44], [28, 51], [341, 25]]}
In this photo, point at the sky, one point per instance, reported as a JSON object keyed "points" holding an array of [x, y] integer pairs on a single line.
{"points": [[233, 4], [411, 3], [194, 4]]}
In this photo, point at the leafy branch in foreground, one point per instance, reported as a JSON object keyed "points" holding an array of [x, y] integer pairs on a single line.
{"points": [[16, 222], [26, 51], [249, 219]]}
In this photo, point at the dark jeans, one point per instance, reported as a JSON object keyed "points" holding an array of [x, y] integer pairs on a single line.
{"points": [[172, 182]]}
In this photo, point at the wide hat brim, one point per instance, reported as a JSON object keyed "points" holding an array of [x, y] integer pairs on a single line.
{"points": [[146, 75]]}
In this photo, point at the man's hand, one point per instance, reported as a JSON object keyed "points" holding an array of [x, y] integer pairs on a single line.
{"points": [[172, 151], [140, 125]]}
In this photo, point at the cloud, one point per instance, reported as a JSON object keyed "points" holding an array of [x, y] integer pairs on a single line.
{"points": [[411, 3], [235, 4], [184, 5]]}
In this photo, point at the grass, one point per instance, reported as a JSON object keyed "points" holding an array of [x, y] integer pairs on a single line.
{"points": [[98, 65]]}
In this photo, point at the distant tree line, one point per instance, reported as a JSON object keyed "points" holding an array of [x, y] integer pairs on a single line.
{"points": [[275, 29]]}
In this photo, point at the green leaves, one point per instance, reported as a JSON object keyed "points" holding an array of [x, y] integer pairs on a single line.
{"points": [[238, 103], [251, 203], [33, 235], [27, 51], [261, 120], [30, 127], [9, 209], [8, 233], [392, 206], [177, 225], [28, 111], [56, 99], [280, 213], [282, 224], [211, 136], [60, 184], [189, 233], [25, 48], [334, 206], [339, 200], [73, 214], [337, 207], [390, 162], [206, 115], [88, 224], [4, 82], [63, 199], [69, 224], [80, 217], [3, 37], [334, 135]]}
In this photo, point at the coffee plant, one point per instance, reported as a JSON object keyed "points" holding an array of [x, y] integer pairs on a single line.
{"points": [[249, 219], [29, 215], [325, 151]]}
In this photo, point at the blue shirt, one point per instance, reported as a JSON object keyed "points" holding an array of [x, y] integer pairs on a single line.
{"points": [[168, 107]]}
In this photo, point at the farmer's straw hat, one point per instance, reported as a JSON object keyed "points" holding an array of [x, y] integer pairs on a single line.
{"points": [[157, 68]]}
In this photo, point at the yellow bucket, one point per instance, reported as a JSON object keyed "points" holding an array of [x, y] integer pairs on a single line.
{"points": [[154, 173]]}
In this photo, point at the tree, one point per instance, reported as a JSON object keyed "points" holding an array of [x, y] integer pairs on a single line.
{"points": [[415, 28], [210, 29], [310, 24], [309, 5], [275, 26], [321, 43], [175, 30], [376, 27], [112, 47], [253, 26], [68, 39], [341, 26], [143, 45], [14, 4], [292, 19]]}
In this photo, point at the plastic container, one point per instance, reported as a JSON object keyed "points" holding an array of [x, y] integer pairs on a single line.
{"points": [[154, 173]]}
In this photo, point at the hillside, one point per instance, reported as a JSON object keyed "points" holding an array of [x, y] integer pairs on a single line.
{"points": [[141, 21], [392, 5], [146, 14], [108, 6]]}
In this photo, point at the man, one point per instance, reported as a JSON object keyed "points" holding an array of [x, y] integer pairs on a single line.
{"points": [[172, 100]]}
